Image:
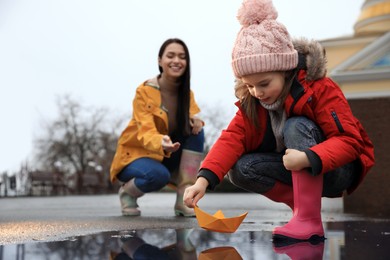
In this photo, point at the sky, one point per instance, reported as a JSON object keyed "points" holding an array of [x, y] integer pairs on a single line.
{"points": [[100, 51]]}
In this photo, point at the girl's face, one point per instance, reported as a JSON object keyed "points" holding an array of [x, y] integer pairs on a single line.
{"points": [[265, 86], [173, 60]]}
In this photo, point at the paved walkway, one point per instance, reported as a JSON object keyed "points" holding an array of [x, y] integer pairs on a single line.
{"points": [[29, 219]]}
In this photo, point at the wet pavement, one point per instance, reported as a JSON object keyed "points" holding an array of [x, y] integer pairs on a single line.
{"points": [[91, 227]]}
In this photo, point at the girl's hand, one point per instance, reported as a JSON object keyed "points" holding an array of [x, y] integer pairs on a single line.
{"points": [[195, 192], [196, 125], [295, 160], [168, 146]]}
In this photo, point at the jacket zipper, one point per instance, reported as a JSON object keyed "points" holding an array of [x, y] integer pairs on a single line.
{"points": [[337, 121], [296, 92]]}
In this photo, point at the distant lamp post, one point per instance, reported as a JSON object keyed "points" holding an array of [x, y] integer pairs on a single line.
{"points": [[4, 179], [1, 182]]}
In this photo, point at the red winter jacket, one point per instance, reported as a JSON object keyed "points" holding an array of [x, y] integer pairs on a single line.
{"points": [[320, 100]]}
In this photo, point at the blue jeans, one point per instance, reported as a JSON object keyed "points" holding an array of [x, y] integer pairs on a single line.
{"points": [[258, 172], [152, 175]]}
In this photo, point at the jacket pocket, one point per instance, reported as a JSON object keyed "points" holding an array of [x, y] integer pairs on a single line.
{"points": [[337, 121]]}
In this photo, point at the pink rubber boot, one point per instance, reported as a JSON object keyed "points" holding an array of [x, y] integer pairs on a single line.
{"points": [[302, 251], [306, 222]]}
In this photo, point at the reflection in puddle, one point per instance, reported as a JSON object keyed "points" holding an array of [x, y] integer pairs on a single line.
{"points": [[345, 240], [155, 244]]}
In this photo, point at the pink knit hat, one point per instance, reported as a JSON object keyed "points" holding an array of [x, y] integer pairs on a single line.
{"points": [[262, 44]]}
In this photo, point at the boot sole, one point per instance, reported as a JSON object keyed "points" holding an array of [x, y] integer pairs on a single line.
{"points": [[281, 241], [131, 214], [180, 213]]}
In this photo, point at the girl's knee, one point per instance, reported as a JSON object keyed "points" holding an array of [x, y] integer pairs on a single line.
{"points": [[297, 125], [235, 177], [240, 175], [301, 133]]}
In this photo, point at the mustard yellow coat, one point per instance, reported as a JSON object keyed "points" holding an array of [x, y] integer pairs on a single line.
{"points": [[143, 135]]}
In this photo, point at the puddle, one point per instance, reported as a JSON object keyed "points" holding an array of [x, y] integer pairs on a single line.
{"points": [[345, 240]]}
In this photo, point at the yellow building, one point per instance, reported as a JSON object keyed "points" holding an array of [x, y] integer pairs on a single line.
{"points": [[360, 64]]}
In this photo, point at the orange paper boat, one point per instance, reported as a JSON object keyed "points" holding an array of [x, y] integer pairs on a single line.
{"points": [[218, 222]]}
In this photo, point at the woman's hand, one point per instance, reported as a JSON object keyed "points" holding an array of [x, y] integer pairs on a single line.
{"points": [[295, 160], [168, 146], [196, 125], [195, 192]]}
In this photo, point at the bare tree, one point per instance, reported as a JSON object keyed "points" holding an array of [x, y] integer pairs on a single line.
{"points": [[79, 139], [80, 142]]}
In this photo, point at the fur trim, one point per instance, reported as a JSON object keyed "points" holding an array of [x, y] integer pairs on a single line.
{"points": [[315, 57]]}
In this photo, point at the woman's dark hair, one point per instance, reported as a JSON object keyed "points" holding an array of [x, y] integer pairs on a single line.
{"points": [[183, 102]]}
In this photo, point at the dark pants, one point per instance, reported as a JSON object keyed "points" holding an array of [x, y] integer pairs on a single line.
{"points": [[257, 172]]}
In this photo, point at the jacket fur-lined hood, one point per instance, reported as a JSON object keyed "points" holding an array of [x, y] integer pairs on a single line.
{"points": [[312, 58]]}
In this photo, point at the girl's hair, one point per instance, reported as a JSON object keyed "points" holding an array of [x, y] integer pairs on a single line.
{"points": [[249, 103], [183, 102]]}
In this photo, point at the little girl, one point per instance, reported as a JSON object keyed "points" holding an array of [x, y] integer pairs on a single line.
{"points": [[294, 138]]}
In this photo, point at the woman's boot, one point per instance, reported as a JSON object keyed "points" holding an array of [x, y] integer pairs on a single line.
{"points": [[183, 240], [128, 194], [306, 222], [188, 170], [281, 192]]}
